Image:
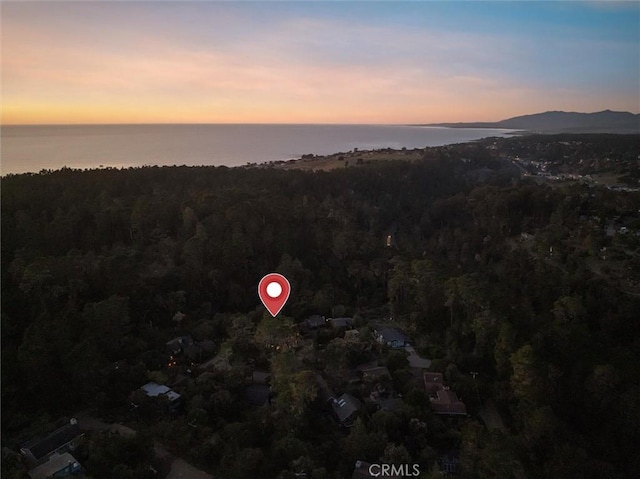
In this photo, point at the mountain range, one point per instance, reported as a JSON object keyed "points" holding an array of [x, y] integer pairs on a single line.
{"points": [[563, 122]]}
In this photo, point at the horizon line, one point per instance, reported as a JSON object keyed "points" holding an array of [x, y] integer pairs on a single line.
{"points": [[315, 123]]}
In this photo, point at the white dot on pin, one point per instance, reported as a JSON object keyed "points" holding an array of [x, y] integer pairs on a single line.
{"points": [[274, 289]]}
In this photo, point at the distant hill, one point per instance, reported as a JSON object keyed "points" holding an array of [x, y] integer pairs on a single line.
{"points": [[563, 122]]}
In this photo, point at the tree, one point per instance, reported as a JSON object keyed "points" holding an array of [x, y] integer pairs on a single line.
{"points": [[276, 333], [526, 382], [108, 323], [396, 454], [295, 387]]}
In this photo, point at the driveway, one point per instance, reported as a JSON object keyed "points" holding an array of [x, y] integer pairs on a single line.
{"points": [[416, 361]]}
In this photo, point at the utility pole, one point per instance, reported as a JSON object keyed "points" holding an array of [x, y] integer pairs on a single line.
{"points": [[474, 374]]}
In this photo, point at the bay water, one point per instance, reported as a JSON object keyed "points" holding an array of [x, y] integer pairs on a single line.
{"points": [[36, 147]]}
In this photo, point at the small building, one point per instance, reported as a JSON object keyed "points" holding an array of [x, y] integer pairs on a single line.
{"points": [[345, 409], [61, 440], [447, 403], [158, 390], [58, 465], [392, 337]]}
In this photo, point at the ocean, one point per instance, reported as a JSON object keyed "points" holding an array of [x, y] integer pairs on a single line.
{"points": [[34, 148]]}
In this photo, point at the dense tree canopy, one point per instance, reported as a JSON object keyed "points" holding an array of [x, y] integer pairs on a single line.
{"points": [[104, 266]]}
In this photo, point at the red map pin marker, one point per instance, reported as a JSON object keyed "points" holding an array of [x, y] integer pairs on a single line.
{"points": [[274, 291]]}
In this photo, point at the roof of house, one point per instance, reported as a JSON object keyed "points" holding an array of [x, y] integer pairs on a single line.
{"points": [[257, 394], [391, 404], [155, 389], [315, 321], [180, 343], [392, 334], [340, 322], [172, 395], [433, 382], [54, 465], [447, 402], [345, 406], [58, 438]]}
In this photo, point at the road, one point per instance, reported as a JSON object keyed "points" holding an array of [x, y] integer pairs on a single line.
{"points": [[180, 469]]}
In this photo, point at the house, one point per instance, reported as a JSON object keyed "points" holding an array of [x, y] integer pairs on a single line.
{"points": [[433, 382], [447, 403], [158, 390], [345, 408], [314, 322], [383, 396], [58, 465], [392, 337], [340, 322], [443, 400], [179, 345], [59, 441]]}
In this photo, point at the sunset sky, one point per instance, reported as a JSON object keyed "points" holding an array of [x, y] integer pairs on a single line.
{"points": [[315, 62]]}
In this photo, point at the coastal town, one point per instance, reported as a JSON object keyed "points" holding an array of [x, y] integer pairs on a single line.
{"points": [[588, 159]]}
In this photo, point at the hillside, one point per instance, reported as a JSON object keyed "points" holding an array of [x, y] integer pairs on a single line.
{"points": [[560, 121]]}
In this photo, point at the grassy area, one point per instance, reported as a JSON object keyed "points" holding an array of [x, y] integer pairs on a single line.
{"points": [[344, 160]]}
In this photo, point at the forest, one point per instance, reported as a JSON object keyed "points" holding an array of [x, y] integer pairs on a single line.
{"points": [[516, 281]]}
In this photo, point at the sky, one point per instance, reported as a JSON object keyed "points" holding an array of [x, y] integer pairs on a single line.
{"points": [[314, 62]]}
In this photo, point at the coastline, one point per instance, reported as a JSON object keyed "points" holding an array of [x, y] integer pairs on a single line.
{"points": [[48, 148]]}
